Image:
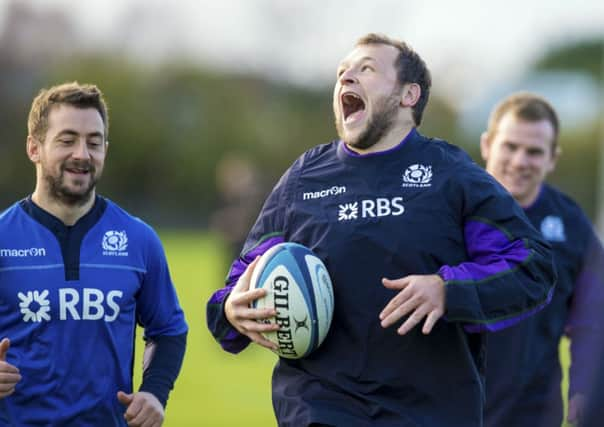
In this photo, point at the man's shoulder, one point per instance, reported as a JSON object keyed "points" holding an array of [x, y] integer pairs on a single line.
{"points": [[320, 152], [11, 214], [441, 149], [562, 201], [119, 217]]}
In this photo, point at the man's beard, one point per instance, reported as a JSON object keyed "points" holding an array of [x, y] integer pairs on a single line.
{"points": [[63, 194], [378, 125]]}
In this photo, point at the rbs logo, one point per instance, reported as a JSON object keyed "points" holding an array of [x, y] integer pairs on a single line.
{"points": [[371, 208], [74, 304]]}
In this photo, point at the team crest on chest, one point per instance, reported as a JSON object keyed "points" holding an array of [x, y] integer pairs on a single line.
{"points": [[552, 228], [115, 243], [417, 176]]}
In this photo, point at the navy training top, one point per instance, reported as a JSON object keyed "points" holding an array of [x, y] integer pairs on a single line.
{"points": [[420, 208], [523, 371]]}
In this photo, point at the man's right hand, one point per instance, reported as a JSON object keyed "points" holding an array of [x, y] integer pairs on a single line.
{"points": [[244, 318], [9, 374]]}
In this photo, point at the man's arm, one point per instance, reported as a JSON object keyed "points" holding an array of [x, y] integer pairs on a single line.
{"points": [[162, 360], [509, 274], [585, 327]]}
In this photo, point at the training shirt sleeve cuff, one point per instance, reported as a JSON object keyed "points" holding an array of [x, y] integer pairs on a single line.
{"points": [[164, 366]]}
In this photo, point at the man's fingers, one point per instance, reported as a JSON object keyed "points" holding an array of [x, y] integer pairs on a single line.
{"points": [[141, 419], [261, 340], [400, 311], [431, 321], [8, 369], [246, 297], [395, 302], [4, 346], [249, 325], [124, 398], [8, 392], [396, 284], [413, 319], [10, 375]]}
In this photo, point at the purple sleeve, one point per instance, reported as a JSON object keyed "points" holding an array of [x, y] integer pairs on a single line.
{"points": [[228, 337], [508, 272], [585, 324]]}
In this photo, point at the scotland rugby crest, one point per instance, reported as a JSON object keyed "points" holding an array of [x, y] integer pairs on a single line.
{"points": [[115, 243], [417, 176], [552, 229]]}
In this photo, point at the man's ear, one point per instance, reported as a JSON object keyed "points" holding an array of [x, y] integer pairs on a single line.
{"points": [[555, 156], [485, 146], [32, 147], [410, 95]]}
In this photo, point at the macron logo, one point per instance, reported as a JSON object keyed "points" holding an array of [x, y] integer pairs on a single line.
{"points": [[333, 191], [22, 253]]}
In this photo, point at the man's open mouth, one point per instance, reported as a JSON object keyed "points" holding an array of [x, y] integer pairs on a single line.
{"points": [[351, 104]]}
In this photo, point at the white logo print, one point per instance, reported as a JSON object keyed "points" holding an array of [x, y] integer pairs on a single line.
{"points": [[333, 191], [417, 176], [41, 305], [348, 211], [552, 229], [371, 208], [23, 253], [115, 243]]}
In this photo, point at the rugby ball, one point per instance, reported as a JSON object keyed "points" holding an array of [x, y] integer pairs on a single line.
{"points": [[299, 289]]}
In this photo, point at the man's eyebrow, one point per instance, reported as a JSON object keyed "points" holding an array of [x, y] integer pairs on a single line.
{"points": [[363, 59], [72, 132]]}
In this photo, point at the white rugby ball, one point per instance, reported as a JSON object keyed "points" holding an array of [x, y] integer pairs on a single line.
{"points": [[299, 289]]}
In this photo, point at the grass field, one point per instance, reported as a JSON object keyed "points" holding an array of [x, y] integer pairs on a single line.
{"points": [[215, 388]]}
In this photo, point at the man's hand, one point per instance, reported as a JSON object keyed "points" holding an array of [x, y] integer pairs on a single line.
{"points": [[576, 405], [245, 319], [142, 409], [9, 374], [420, 297]]}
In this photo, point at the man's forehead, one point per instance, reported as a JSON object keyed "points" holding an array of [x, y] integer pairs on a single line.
{"points": [[85, 120], [375, 51], [527, 132]]}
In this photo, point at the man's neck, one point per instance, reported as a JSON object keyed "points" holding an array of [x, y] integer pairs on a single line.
{"points": [[68, 214], [388, 141], [530, 199]]}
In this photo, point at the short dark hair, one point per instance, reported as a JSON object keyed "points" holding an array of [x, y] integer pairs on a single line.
{"points": [[525, 106], [74, 94], [410, 67]]}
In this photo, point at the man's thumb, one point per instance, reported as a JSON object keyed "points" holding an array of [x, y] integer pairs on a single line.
{"points": [[4, 346], [125, 399]]}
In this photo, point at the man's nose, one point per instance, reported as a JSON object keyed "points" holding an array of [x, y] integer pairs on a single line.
{"points": [[520, 158], [348, 77], [81, 150]]}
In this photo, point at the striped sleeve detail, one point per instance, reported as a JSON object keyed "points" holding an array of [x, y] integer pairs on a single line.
{"points": [[492, 290], [494, 325], [492, 252]]}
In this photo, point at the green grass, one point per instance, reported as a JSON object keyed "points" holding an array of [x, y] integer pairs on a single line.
{"points": [[216, 388]]}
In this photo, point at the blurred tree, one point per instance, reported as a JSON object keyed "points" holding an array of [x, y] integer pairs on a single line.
{"points": [[584, 56], [580, 171]]}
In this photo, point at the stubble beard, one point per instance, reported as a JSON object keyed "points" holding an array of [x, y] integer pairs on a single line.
{"points": [[377, 127], [60, 192]]}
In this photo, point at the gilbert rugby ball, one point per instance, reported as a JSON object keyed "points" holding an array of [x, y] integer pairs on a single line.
{"points": [[300, 290]]}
